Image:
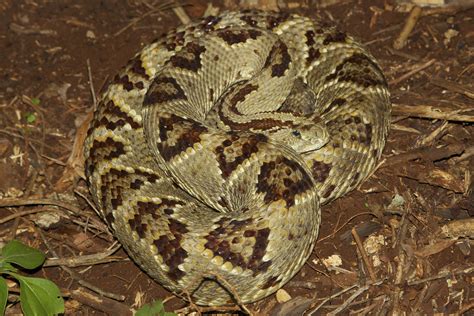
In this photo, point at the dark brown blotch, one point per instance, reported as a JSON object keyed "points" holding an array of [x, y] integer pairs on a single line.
{"points": [[271, 181], [233, 36], [241, 95], [124, 81], [337, 102], [371, 76], [189, 57], [112, 117], [338, 37], [136, 66], [328, 191], [310, 38], [368, 134], [320, 171], [109, 218], [247, 148], [169, 247], [355, 179], [164, 89], [272, 281], [105, 150], [313, 54], [137, 225], [190, 135], [279, 58], [259, 249]]}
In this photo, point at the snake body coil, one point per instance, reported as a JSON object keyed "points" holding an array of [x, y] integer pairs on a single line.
{"points": [[211, 151]]}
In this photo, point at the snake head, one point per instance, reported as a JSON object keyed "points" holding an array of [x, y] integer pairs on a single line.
{"points": [[303, 138]]}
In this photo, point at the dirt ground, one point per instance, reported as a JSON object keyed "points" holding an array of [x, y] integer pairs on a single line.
{"points": [[413, 216]]}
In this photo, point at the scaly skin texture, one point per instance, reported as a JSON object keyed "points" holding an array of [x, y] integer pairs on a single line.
{"points": [[211, 151]]}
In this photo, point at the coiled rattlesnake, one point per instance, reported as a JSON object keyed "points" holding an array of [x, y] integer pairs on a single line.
{"points": [[210, 153]]}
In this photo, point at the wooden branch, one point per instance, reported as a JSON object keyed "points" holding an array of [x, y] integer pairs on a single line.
{"points": [[410, 23], [452, 86], [434, 112], [426, 154]]}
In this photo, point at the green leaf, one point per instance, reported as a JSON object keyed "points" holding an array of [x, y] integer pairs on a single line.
{"points": [[3, 295], [154, 309], [39, 297], [35, 101], [26, 257], [6, 267], [30, 117]]}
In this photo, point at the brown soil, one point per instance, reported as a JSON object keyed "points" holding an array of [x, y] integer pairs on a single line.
{"points": [[45, 97]]}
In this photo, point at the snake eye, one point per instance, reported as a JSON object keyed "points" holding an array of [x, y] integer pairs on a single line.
{"points": [[296, 133]]}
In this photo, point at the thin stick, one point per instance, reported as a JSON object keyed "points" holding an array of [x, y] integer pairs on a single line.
{"points": [[363, 253], [77, 277], [231, 290], [451, 8], [28, 190], [442, 275], [97, 258], [433, 112], [89, 202], [436, 134], [327, 299], [410, 23], [425, 153], [412, 72], [182, 15], [106, 305], [349, 300], [91, 84], [402, 54], [161, 7], [23, 202], [24, 213], [342, 226], [453, 86]]}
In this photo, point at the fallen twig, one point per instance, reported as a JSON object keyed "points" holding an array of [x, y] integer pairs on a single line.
{"points": [[350, 299], [342, 226], [76, 275], [295, 306], [410, 23], [451, 8], [437, 133], [433, 112], [434, 248], [103, 304], [442, 275], [453, 86], [415, 70], [327, 299], [459, 228], [23, 213], [85, 260], [364, 255], [163, 6], [426, 154], [182, 15], [222, 281], [24, 202]]}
